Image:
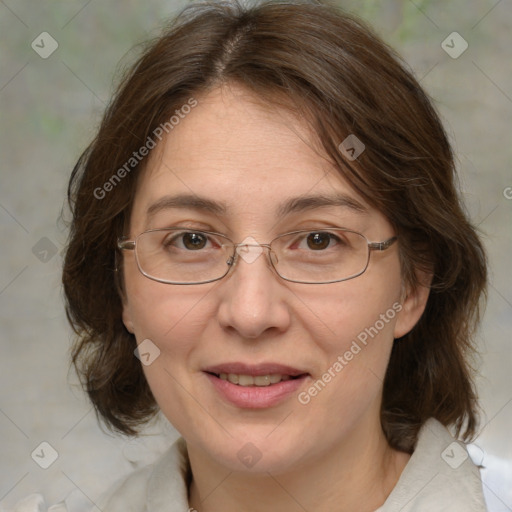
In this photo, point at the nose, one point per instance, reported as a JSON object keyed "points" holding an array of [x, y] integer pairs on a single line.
{"points": [[253, 297]]}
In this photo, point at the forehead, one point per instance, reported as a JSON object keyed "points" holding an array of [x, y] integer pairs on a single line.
{"points": [[249, 157]]}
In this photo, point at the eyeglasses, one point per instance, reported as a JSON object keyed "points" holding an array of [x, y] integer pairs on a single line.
{"points": [[189, 256]]}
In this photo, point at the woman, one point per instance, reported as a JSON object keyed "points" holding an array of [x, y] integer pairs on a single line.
{"points": [[268, 219]]}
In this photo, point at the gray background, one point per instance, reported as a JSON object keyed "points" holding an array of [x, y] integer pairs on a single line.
{"points": [[50, 109]]}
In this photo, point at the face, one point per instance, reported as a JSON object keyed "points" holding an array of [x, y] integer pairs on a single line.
{"points": [[251, 160]]}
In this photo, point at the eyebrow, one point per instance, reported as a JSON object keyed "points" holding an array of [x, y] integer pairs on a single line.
{"points": [[293, 205], [189, 201], [304, 203]]}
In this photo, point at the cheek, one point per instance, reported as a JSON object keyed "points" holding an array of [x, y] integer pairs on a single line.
{"points": [[356, 341], [360, 323], [160, 310], [357, 351], [174, 319], [348, 385], [356, 317]]}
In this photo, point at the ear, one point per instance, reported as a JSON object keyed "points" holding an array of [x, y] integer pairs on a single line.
{"points": [[127, 317], [414, 301]]}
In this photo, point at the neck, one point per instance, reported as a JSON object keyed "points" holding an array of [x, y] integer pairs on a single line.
{"points": [[357, 474]]}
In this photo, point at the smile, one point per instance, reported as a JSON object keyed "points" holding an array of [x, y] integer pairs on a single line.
{"points": [[249, 380], [266, 390]]}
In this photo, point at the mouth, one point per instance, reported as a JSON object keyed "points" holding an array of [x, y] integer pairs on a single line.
{"points": [[255, 386], [258, 380]]}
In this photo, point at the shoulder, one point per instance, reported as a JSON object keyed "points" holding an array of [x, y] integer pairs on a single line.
{"points": [[36, 503], [439, 476], [153, 487], [127, 495], [161, 485]]}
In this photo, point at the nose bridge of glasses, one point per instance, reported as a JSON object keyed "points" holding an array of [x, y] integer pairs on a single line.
{"points": [[244, 244], [250, 250]]}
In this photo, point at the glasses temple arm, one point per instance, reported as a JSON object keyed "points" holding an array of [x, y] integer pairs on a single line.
{"points": [[382, 246], [129, 245]]}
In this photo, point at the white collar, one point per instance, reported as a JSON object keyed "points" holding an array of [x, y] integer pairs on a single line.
{"points": [[438, 476]]}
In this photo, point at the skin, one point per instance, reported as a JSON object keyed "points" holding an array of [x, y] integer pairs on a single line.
{"points": [[330, 454]]}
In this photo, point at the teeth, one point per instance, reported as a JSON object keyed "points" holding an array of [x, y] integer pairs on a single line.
{"points": [[262, 380], [249, 380], [245, 380], [275, 378]]}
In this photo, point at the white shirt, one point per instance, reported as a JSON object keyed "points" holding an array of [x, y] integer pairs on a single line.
{"points": [[439, 477]]}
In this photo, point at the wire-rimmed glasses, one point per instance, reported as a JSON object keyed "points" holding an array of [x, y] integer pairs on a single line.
{"points": [[178, 255]]}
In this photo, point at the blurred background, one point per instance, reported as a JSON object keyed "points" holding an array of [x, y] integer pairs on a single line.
{"points": [[59, 64]]}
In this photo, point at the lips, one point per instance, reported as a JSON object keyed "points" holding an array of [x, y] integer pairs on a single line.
{"points": [[255, 386]]}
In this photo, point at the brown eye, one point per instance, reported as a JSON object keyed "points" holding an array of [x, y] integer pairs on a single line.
{"points": [[317, 241], [194, 241]]}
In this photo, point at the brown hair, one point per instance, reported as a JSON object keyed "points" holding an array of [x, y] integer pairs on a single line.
{"points": [[342, 80]]}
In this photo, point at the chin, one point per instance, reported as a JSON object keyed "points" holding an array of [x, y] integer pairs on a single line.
{"points": [[253, 450]]}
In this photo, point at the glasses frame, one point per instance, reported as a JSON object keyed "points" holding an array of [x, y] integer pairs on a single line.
{"points": [[125, 244]]}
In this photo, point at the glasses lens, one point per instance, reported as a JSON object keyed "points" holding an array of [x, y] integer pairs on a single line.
{"points": [[321, 256], [183, 256]]}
